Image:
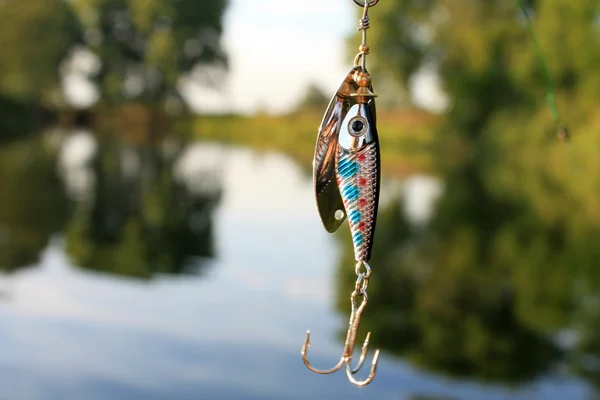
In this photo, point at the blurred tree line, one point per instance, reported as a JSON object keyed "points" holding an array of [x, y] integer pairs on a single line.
{"points": [[509, 265], [146, 47], [139, 51], [132, 53], [139, 219]]}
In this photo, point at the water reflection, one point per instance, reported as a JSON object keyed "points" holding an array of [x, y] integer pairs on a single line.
{"points": [[485, 290], [134, 216], [235, 331], [32, 204]]}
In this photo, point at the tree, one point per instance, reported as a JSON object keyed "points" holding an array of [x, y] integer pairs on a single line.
{"points": [[314, 99], [33, 202], [144, 223], [36, 36], [146, 47]]}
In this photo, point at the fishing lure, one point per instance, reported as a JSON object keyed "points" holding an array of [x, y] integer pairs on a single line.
{"points": [[346, 172]]}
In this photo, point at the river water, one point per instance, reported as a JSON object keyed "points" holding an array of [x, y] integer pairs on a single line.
{"points": [[230, 324]]}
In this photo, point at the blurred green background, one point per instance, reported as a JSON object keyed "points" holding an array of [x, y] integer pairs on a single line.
{"points": [[498, 289]]}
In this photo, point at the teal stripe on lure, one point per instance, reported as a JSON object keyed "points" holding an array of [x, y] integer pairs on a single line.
{"points": [[358, 238], [350, 193], [354, 216], [348, 169], [343, 162]]}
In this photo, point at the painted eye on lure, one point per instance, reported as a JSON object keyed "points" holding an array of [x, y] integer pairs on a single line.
{"points": [[358, 126]]}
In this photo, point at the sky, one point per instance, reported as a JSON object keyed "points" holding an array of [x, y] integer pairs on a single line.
{"points": [[276, 50]]}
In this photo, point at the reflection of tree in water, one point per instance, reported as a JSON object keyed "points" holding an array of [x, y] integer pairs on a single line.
{"points": [[32, 201], [585, 360], [140, 219], [479, 293]]}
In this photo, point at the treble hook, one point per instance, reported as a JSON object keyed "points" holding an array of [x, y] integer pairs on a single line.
{"points": [[346, 358]]}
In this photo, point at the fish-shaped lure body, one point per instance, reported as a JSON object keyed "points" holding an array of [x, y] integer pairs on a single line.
{"points": [[346, 163], [358, 176]]}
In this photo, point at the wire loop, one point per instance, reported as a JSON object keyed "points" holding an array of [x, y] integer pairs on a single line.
{"points": [[361, 3]]}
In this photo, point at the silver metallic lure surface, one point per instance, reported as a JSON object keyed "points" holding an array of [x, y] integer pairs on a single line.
{"points": [[346, 171], [357, 170]]}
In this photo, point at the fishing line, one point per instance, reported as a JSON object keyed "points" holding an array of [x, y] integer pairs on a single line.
{"points": [[563, 133]]}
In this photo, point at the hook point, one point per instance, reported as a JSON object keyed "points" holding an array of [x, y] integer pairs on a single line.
{"points": [[306, 343]]}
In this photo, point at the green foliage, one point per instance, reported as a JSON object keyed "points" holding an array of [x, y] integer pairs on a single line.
{"points": [[17, 118], [147, 46], [314, 100], [144, 224], [35, 37], [485, 57], [32, 204]]}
